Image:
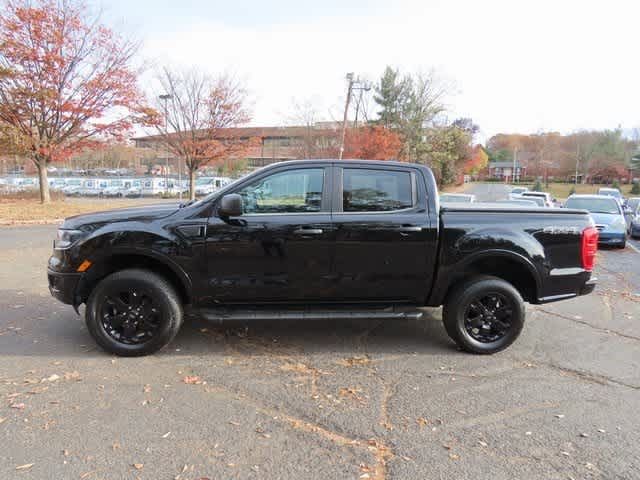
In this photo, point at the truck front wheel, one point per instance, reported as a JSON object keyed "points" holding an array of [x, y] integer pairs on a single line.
{"points": [[484, 315], [133, 312]]}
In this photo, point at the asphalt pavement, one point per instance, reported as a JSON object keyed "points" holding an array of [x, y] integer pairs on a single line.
{"points": [[319, 399]]}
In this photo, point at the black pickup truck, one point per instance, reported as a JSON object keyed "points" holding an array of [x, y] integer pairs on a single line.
{"points": [[320, 239]]}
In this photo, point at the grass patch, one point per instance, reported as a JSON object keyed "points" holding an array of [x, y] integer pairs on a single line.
{"points": [[561, 190], [27, 211]]}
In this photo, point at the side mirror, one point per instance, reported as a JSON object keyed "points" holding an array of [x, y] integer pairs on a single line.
{"points": [[230, 205]]}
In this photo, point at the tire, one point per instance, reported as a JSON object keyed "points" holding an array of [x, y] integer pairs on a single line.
{"points": [[160, 313], [461, 311], [622, 245]]}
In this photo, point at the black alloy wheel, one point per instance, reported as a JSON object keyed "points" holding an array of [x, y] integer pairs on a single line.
{"points": [[130, 317], [133, 312], [488, 318], [484, 314]]}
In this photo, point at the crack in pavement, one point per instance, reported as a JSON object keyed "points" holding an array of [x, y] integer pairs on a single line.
{"points": [[589, 376], [380, 451], [582, 322]]}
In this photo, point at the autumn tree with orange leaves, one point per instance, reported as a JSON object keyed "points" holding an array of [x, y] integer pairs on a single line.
{"points": [[373, 143], [199, 110], [66, 81]]}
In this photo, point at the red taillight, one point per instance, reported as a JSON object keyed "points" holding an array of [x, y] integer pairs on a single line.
{"points": [[589, 247]]}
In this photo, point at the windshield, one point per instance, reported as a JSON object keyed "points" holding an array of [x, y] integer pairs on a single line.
{"points": [[519, 190], [610, 192], [594, 205], [633, 203], [203, 181]]}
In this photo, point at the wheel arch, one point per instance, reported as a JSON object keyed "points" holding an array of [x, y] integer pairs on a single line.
{"points": [[122, 260], [506, 265]]}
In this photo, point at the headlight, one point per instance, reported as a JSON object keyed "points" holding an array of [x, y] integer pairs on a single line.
{"points": [[66, 238]]}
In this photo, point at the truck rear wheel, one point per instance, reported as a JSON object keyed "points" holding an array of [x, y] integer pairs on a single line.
{"points": [[133, 313], [484, 315]]}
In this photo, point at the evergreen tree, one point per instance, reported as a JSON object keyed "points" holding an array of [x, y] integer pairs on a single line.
{"points": [[537, 187], [391, 95]]}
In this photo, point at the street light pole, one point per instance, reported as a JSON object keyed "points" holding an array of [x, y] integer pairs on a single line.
{"points": [[166, 97]]}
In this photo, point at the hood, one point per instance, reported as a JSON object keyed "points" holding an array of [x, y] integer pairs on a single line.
{"points": [[604, 218], [91, 221]]}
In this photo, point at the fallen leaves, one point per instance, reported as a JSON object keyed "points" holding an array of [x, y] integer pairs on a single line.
{"points": [[26, 466], [18, 406], [298, 368], [138, 466]]}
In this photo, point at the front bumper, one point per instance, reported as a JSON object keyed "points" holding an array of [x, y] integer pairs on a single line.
{"points": [[611, 238], [63, 286]]}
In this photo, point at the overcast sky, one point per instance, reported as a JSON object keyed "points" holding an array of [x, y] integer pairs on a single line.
{"points": [[514, 66]]}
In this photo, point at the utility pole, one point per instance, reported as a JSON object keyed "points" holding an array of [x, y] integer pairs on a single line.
{"points": [[515, 156], [577, 161], [354, 84], [166, 97], [346, 113]]}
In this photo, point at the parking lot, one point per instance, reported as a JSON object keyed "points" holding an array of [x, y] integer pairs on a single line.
{"points": [[320, 399]]}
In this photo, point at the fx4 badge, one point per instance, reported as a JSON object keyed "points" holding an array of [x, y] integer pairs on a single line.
{"points": [[561, 230]]}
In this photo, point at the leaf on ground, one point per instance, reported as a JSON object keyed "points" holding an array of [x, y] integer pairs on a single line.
{"points": [[26, 466], [18, 406], [351, 392], [138, 466], [72, 376], [192, 380], [146, 388], [354, 361], [423, 422], [51, 378]]}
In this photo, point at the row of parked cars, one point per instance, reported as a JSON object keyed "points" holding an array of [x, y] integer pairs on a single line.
{"points": [[116, 187], [616, 217]]}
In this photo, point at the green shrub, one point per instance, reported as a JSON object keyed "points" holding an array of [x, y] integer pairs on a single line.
{"points": [[537, 187], [635, 190], [615, 184]]}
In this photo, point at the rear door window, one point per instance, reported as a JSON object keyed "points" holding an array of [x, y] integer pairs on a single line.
{"points": [[373, 190]]}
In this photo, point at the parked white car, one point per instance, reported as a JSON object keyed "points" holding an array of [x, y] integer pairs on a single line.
{"points": [[548, 200]]}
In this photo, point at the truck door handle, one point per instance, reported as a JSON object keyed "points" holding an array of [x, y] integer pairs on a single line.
{"points": [[410, 229], [308, 231]]}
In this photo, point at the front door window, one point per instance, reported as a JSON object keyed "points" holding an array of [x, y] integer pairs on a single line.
{"points": [[293, 191]]}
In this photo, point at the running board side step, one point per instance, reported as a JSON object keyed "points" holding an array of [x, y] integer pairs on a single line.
{"points": [[219, 314]]}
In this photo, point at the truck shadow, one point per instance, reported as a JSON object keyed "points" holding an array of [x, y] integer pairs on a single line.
{"points": [[42, 327]]}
